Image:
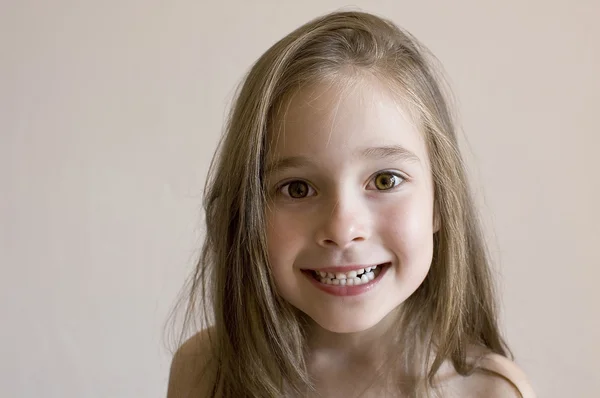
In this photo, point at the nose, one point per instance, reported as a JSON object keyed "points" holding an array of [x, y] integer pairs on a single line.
{"points": [[343, 224]]}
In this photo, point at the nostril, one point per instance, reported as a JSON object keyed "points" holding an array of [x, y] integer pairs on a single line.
{"points": [[341, 239]]}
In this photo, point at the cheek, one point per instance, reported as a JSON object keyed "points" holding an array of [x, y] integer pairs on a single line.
{"points": [[283, 238], [407, 229], [284, 242]]}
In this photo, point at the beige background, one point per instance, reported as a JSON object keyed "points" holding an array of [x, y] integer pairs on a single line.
{"points": [[110, 111]]}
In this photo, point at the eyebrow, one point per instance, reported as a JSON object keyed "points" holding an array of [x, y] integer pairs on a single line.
{"points": [[389, 152]]}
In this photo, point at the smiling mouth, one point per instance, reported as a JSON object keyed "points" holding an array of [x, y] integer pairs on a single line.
{"points": [[357, 277]]}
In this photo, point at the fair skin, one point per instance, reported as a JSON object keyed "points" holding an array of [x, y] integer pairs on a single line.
{"points": [[353, 188], [367, 200], [349, 185], [191, 372]]}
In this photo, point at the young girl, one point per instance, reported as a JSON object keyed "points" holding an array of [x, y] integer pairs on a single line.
{"points": [[343, 255]]}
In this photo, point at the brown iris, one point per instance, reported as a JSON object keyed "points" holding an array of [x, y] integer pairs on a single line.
{"points": [[298, 189], [385, 181]]}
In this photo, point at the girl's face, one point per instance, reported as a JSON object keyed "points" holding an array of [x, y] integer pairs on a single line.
{"points": [[349, 188]]}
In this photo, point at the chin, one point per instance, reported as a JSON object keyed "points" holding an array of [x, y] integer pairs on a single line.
{"points": [[349, 323], [345, 328]]}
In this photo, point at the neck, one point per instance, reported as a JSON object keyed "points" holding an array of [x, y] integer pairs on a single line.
{"points": [[369, 347]]}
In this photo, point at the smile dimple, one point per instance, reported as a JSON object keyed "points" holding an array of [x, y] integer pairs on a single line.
{"points": [[352, 278]]}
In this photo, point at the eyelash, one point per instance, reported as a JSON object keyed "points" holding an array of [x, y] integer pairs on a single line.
{"points": [[402, 177]]}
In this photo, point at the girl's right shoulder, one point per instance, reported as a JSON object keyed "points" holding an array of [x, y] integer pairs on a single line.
{"points": [[192, 373]]}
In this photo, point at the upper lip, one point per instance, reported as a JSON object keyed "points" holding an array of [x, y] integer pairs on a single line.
{"points": [[343, 268]]}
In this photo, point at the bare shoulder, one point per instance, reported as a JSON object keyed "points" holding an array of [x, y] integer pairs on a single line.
{"points": [[192, 372], [496, 377], [501, 374]]}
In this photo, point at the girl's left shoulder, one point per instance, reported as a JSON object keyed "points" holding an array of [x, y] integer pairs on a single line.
{"points": [[494, 377], [502, 377]]}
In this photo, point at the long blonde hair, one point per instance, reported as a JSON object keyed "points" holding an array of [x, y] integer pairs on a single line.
{"points": [[258, 339]]}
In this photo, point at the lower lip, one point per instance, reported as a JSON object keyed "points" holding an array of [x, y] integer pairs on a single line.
{"points": [[345, 290]]}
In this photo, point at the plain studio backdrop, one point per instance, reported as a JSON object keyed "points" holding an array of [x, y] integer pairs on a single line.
{"points": [[109, 115]]}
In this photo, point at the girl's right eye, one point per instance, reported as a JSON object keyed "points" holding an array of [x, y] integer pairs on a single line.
{"points": [[296, 189]]}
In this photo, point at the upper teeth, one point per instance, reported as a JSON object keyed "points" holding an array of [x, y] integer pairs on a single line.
{"points": [[345, 275]]}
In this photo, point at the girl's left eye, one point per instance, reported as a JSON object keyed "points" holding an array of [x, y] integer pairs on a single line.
{"points": [[387, 180]]}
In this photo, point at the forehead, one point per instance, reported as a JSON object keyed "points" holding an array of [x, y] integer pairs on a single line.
{"points": [[325, 119]]}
